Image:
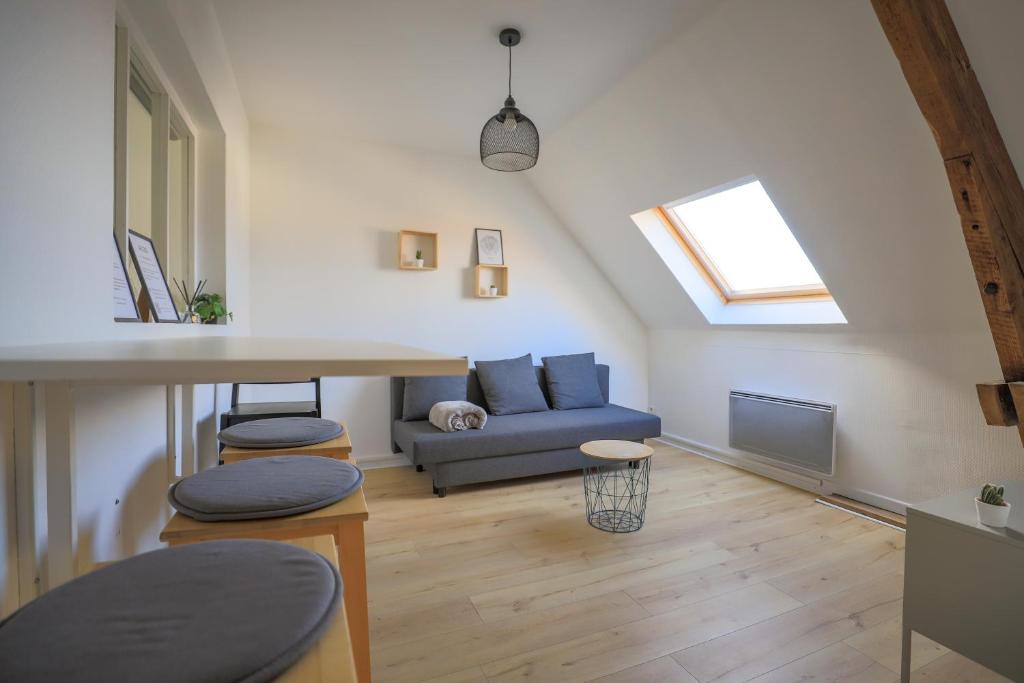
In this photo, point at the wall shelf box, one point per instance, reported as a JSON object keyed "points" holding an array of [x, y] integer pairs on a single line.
{"points": [[411, 241], [491, 275]]}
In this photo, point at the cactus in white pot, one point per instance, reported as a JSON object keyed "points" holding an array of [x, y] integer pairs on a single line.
{"points": [[992, 509], [419, 258]]}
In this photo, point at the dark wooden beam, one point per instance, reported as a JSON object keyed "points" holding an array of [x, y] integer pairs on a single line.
{"points": [[997, 403], [986, 189]]}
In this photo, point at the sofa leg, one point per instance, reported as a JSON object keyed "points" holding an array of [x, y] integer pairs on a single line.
{"points": [[419, 468], [441, 492]]}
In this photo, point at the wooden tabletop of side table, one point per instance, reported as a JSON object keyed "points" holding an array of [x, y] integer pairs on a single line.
{"points": [[618, 451]]}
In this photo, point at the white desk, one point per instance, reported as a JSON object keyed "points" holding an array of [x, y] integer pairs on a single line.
{"points": [[44, 378], [964, 582]]}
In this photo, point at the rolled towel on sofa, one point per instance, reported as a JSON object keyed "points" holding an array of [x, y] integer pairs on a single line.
{"points": [[456, 416]]}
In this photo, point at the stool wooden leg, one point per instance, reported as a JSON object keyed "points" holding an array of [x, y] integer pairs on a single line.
{"points": [[352, 558]]}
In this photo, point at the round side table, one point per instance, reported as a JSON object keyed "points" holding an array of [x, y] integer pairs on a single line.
{"points": [[615, 484]]}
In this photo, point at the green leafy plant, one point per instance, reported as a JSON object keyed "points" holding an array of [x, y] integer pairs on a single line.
{"points": [[419, 254], [211, 308], [992, 494]]}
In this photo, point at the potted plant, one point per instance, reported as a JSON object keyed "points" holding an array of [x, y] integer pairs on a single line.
{"points": [[493, 290], [419, 258], [211, 308], [992, 509]]}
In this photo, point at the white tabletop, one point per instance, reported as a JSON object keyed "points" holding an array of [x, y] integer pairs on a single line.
{"points": [[207, 360], [958, 509]]}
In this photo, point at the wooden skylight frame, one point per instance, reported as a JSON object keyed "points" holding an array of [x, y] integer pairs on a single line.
{"points": [[706, 268]]}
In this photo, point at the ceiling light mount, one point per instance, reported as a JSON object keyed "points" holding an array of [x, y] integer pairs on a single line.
{"points": [[510, 37]]}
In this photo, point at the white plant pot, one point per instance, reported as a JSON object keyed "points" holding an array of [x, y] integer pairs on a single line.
{"points": [[493, 291], [992, 515], [419, 263]]}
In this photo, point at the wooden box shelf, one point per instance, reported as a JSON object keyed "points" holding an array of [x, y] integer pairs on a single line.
{"points": [[411, 241], [491, 275]]}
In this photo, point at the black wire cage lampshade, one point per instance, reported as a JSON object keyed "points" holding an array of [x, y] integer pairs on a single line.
{"points": [[509, 140]]}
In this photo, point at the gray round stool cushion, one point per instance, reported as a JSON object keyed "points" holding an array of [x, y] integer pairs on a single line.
{"points": [[278, 486], [280, 432], [216, 612]]}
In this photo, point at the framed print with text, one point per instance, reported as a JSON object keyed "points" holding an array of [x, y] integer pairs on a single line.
{"points": [[125, 308], [151, 274]]}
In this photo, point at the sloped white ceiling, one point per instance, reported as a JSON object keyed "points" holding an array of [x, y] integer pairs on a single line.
{"points": [[808, 96], [639, 104], [428, 73]]}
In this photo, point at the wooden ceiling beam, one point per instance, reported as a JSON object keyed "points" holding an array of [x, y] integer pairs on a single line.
{"points": [[986, 189]]}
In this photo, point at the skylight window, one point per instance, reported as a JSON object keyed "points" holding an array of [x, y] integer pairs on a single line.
{"points": [[742, 247]]}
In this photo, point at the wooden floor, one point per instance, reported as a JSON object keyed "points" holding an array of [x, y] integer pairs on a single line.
{"points": [[733, 578]]}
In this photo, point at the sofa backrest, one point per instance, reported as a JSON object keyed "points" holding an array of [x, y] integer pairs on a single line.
{"points": [[475, 393]]}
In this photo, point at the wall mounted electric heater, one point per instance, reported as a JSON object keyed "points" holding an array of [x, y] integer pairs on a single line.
{"points": [[794, 432]]}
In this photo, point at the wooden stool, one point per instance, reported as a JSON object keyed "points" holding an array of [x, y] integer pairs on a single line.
{"points": [[339, 448], [342, 520], [331, 660]]}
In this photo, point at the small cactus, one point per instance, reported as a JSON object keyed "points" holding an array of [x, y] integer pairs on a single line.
{"points": [[992, 494], [419, 254]]}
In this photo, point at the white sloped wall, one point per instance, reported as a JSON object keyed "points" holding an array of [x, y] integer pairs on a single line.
{"points": [[807, 96]]}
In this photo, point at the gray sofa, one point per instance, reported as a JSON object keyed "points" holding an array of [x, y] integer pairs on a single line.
{"points": [[511, 446]]}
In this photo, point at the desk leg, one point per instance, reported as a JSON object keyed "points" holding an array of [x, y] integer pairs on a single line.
{"points": [[30, 489], [61, 522], [352, 558], [905, 654]]}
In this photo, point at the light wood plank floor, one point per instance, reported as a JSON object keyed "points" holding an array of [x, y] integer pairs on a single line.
{"points": [[733, 578]]}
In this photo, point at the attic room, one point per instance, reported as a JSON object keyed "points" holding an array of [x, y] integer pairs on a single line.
{"points": [[473, 342]]}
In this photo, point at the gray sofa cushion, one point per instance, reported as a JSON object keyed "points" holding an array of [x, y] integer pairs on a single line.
{"points": [[572, 381], [524, 433], [511, 385], [421, 393], [278, 486], [280, 432], [238, 611]]}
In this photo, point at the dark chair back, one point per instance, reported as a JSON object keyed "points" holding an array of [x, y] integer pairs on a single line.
{"points": [[315, 381]]}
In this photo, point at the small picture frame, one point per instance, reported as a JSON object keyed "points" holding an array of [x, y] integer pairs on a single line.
{"points": [[489, 248], [125, 308], [154, 282]]}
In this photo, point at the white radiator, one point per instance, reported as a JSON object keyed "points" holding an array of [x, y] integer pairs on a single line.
{"points": [[794, 432]]}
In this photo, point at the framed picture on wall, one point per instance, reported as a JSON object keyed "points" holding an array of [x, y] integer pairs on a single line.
{"points": [[489, 250], [151, 274], [125, 308]]}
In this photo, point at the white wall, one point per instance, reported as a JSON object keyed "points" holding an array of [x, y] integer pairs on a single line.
{"points": [[325, 222], [56, 215], [807, 96]]}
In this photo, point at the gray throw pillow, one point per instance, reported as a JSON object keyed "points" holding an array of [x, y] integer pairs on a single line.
{"points": [[510, 386], [572, 381], [421, 393]]}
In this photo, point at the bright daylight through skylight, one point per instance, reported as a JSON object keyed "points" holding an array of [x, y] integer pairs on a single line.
{"points": [[745, 243]]}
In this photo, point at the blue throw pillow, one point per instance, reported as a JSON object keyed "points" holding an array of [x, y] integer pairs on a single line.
{"points": [[421, 393], [511, 386], [572, 381]]}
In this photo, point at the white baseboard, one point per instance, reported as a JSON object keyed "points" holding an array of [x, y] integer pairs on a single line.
{"points": [[379, 460], [800, 481], [807, 483]]}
